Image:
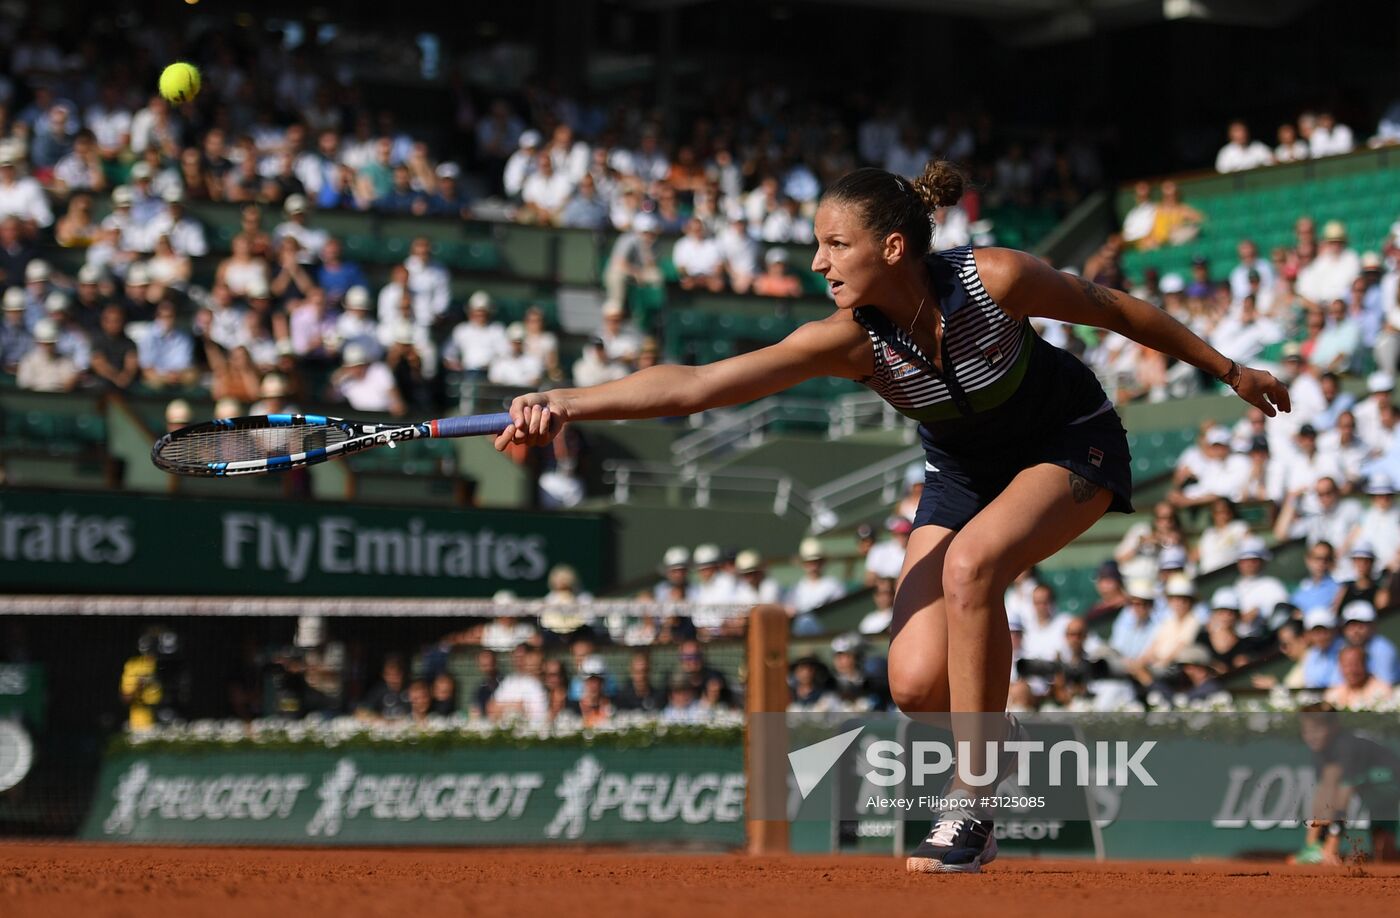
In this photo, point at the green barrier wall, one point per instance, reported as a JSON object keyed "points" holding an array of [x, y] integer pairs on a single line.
{"points": [[69, 542]]}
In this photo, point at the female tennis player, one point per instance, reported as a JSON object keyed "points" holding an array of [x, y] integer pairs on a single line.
{"points": [[1024, 450]]}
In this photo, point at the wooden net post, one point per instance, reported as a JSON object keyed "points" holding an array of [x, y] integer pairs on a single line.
{"points": [[765, 751]]}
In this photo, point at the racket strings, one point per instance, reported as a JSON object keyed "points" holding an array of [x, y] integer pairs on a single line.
{"points": [[240, 445]]}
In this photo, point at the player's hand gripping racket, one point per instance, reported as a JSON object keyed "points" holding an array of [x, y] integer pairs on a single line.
{"points": [[276, 442]]}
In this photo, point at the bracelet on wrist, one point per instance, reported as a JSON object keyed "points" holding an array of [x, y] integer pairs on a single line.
{"points": [[1233, 375]]}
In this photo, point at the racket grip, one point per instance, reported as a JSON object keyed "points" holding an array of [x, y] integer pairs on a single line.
{"points": [[474, 425]]}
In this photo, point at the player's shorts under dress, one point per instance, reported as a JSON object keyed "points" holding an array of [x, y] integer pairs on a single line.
{"points": [[1005, 400]]}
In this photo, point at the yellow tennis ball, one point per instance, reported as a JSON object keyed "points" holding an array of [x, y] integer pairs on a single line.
{"points": [[179, 82]]}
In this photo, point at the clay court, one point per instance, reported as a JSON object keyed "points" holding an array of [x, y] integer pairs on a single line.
{"points": [[62, 880]]}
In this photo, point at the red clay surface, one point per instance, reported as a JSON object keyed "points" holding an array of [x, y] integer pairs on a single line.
{"points": [[54, 881]]}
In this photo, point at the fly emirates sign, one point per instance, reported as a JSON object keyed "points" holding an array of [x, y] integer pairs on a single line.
{"points": [[338, 545]]}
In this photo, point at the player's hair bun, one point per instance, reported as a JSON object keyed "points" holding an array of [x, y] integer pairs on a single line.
{"points": [[941, 185]]}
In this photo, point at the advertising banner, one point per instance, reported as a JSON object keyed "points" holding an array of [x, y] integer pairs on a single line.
{"points": [[485, 796], [117, 543]]}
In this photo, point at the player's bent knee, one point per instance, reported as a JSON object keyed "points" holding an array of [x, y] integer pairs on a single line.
{"points": [[914, 696], [918, 687], [968, 579]]}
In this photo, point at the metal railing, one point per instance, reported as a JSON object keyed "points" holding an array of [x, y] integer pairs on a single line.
{"points": [[825, 506], [703, 486], [746, 428], [866, 411], [885, 477]]}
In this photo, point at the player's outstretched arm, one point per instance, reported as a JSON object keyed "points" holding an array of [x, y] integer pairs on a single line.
{"points": [[1025, 286], [829, 347]]}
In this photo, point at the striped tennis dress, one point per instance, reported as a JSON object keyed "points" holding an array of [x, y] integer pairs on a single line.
{"points": [[1005, 400]]}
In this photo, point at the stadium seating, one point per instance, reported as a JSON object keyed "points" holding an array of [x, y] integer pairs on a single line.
{"points": [[1360, 189]]}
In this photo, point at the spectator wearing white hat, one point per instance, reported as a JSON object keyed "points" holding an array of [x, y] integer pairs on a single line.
{"points": [[20, 195], [515, 367], [1358, 618], [145, 203], [310, 239], [356, 325], [1379, 388], [1176, 631], [776, 279], [73, 341], [366, 385], [44, 369], [1259, 593], [712, 585], [130, 232], [37, 287], [1379, 527], [1229, 645], [621, 339], [1328, 277], [449, 199], [1136, 625], [478, 342], [753, 585], [1319, 665], [816, 588], [675, 565], [1358, 578], [1218, 472], [403, 331], [272, 396], [1357, 688], [186, 234], [633, 260], [15, 337], [886, 558], [521, 164]]}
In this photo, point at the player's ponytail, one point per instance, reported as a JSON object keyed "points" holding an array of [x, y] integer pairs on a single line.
{"points": [[941, 185], [889, 203]]}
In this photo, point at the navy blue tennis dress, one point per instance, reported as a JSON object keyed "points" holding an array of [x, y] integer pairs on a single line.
{"points": [[1006, 400]]}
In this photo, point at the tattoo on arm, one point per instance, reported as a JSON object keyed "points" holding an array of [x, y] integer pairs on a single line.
{"points": [[1081, 488], [1099, 296]]}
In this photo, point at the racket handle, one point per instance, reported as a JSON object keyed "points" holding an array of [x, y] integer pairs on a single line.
{"points": [[474, 425]]}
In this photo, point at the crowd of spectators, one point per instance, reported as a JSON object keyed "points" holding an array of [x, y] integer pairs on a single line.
{"points": [[544, 689], [1313, 136]]}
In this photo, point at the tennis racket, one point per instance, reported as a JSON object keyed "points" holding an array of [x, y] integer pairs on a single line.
{"points": [[277, 442]]}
